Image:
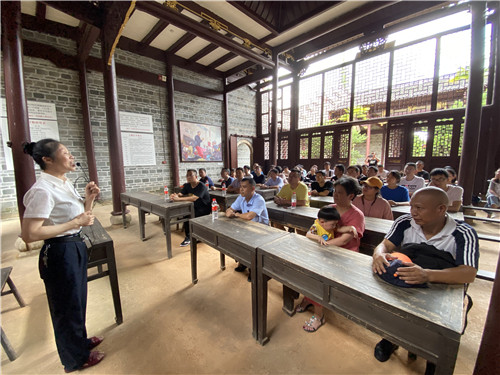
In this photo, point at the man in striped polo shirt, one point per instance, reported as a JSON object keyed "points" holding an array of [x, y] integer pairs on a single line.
{"points": [[428, 224]]}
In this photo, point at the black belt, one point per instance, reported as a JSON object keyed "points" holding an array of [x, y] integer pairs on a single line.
{"points": [[69, 238]]}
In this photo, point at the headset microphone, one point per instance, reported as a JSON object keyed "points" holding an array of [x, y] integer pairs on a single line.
{"points": [[83, 170]]}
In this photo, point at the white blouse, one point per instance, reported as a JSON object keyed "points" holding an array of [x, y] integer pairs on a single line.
{"points": [[54, 200]]}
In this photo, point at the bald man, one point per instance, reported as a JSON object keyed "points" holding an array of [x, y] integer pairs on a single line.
{"points": [[428, 223]]}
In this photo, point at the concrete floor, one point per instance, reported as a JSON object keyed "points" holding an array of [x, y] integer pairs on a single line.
{"points": [[173, 327]]}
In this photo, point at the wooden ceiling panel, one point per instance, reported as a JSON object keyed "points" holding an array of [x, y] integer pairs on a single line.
{"points": [[231, 64], [212, 56], [139, 25], [167, 37], [60, 17], [192, 48], [28, 7]]}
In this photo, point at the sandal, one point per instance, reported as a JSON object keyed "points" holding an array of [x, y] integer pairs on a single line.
{"points": [[94, 358], [301, 308], [310, 324], [94, 341]]}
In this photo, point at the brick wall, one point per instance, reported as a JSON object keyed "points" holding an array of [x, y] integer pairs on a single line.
{"points": [[46, 83]]}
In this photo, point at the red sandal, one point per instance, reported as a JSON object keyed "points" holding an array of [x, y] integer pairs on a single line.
{"points": [[94, 341], [94, 358]]}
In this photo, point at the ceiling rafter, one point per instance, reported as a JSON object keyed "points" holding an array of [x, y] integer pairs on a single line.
{"points": [[251, 78], [81, 10], [203, 52], [41, 10], [239, 68], [154, 32], [245, 10], [203, 31], [88, 35], [49, 27], [222, 60], [183, 41]]}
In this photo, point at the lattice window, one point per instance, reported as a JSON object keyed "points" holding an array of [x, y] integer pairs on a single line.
{"points": [[461, 141], [344, 146], [370, 87], [396, 137], [412, 78], [441, 143], [419, 141], [310, 97], [286, 96], [328, 145], [266, 150], [284, 149], [265, 102], [304, 147], [316, 146], [285, 124], [337, 95], [265, 124], [454, 70]]}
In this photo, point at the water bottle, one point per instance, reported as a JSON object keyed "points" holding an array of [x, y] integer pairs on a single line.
{"points": [[167, 196], [309, 193], [206, 184], [223, 189], [215, 210], [294, 200]]}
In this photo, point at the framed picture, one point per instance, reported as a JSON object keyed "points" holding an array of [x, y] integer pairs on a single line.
{"points": [[200, 142]]}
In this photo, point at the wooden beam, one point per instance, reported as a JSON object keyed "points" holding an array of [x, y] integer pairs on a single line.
{"points": [[49, 27], [203, 52], [221, 60], [240, 32], [239, 68], [41, 9], [185, 39], [251, 78], [154, 32], [116, 14], [82, 10], [203, 31], [251, 15], [334, 24], [88, 36], [50, 53]]}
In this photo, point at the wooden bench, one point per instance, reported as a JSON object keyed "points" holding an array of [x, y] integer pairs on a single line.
{"points": [[101, 252], [9, 349]]}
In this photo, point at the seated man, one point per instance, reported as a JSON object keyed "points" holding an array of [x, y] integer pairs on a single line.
{"points": [[248, 206], [410, 180], [225, 179], [284, 197], [236, 184], [204, 179], [258, 176], [274, 181], [193, 191], [428, 224], [439, 178]]}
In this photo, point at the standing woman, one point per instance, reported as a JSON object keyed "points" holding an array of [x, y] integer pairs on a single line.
{"points": [[55, 213]]}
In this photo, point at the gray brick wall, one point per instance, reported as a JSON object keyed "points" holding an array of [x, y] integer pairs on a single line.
{"points": [[46, 83]]}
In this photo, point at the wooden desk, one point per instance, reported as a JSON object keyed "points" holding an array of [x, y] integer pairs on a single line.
{"points": [[170, 212], [236, 238], [267, 194], [425, 321], [403, 210], [101, 251], [319, 202], [224, 202]]}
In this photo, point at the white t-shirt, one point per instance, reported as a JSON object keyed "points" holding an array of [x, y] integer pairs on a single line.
{"points": [[455, 193], [414, 184], [383, 174], [54, 200]]}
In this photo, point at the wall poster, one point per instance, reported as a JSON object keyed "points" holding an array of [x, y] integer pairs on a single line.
{"points": [[200, 142]]}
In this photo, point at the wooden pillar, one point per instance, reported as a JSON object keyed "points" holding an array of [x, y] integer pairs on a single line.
{"points": [[474, 102], [227, 151], [293, 147], [174, 147], [273, 140], [15, 98], [488, 357], [87, 127], [113, 127]]}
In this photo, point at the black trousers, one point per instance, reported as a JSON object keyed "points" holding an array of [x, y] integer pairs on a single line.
{"points": [[63, 268], [197, 213]]}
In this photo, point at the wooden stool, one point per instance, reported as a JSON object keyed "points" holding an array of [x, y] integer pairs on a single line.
{"points": [[13, 290]]}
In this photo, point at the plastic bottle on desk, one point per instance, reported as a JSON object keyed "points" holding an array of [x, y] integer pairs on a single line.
{"points": [[206, 184], [223, 189], [215, 210], [309, 193], [294, 200], [165, 192]]}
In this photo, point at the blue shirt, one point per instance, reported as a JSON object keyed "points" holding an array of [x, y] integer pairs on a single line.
{"points": [[206, 179], [400, 194], [256, 204], [278, 182]]}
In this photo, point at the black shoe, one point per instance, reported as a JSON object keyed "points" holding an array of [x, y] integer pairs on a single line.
{"points": [[240, 268], [384, 349], [186, 242]]}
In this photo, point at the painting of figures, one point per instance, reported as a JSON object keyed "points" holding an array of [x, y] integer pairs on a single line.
{"points": [[200, 142]]}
